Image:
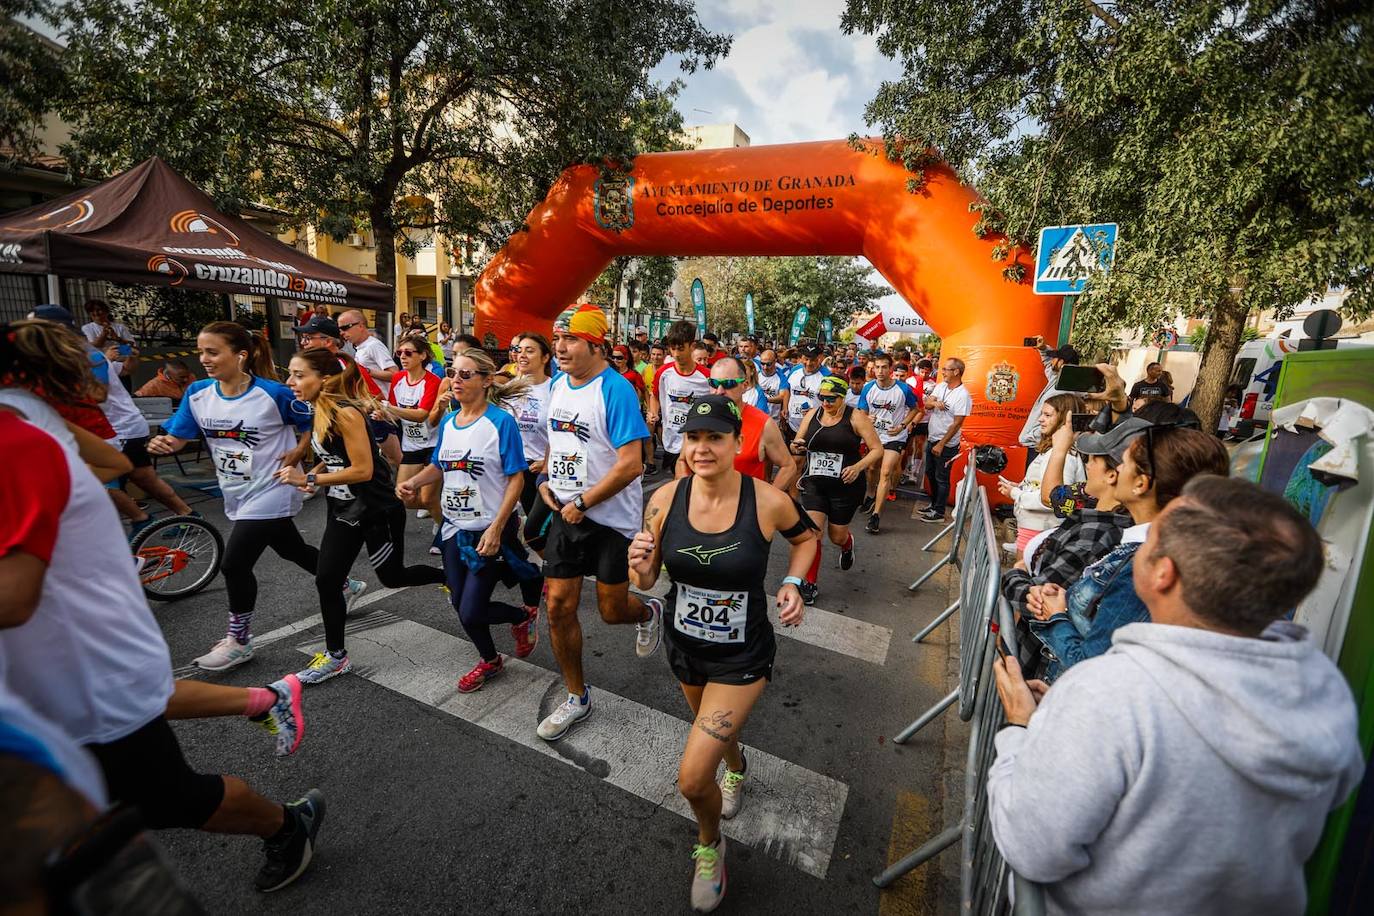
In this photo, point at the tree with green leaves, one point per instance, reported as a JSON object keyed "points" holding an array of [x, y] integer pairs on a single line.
{"points": [[831, 287], [31, 74], [646, 280], [1232, 141], [401, 115]]}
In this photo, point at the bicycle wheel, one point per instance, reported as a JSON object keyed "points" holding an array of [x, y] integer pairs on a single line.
{"points": [[181, 555]]}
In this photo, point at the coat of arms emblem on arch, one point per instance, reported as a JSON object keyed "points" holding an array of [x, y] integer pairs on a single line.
{"points": [[614, 202], [1002, 383]]}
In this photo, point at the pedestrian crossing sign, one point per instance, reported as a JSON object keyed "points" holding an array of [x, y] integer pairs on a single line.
{"points": [[1068, 256]]}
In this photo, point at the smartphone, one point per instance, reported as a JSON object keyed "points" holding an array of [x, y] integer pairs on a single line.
{"points": [[1030, 341], [997, 639], [1081, 422], [126, 349], [1081, 379]]}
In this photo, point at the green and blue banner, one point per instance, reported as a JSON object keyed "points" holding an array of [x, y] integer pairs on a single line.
{"points": [[827, 327], [749, 310], [699, 303], [798, 324]]}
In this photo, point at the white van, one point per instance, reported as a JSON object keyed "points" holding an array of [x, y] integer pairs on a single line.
{"points": [[1256, 371]]}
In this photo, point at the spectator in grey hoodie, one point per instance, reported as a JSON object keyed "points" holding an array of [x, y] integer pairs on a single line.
{"points": [[1190, 768]]}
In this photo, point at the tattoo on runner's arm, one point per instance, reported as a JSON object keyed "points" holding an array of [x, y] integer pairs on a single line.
{"points": [[716, 722], [649, 515]]}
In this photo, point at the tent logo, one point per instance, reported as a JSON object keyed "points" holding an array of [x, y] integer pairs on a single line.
{"points": [[160, 264], [82, 210], [190, 221]]}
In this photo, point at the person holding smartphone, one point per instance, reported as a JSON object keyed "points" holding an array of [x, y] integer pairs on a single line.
{"points": [[1033, 512], [1054, 360]]}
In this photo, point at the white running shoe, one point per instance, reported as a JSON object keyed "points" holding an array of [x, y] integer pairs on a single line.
{"points": [[422, 513], [321, 668], [561, 720], [649, 633], [708, 876], [225, 654], [731, 793], [353, 590]]}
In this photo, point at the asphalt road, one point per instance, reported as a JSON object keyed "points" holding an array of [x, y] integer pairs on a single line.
{"points": [[448, 806]]}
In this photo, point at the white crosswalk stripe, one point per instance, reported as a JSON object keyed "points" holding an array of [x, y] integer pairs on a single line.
{"points": [[791, 813]]}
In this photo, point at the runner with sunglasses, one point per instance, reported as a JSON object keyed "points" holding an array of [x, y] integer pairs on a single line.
{"points": [[828, 441], [773, 383], [480, 461], [712, 531], [417, 399], [761, 444], [359, 493]]}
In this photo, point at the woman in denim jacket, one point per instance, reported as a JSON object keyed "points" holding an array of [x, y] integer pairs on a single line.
{"points": [[1154, 462]]}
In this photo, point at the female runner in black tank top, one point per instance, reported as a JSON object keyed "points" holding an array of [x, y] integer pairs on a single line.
{"points": [[362, 504], [712, 530], [830, 440]]}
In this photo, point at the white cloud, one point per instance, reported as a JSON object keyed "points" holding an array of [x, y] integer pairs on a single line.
{"points": [[791, 74]]}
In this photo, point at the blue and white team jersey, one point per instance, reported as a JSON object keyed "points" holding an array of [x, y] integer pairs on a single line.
{"points": [[531, 412], [887, 408], [246, 435], [587, 423], [806, 392], [477, 460], [771, 385]]}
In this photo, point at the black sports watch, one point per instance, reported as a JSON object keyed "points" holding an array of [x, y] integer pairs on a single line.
{"points": [[577, 501], [310, 479]]}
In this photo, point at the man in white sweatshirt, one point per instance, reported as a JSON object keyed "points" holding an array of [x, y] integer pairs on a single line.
{"points": [[1189, 769]]}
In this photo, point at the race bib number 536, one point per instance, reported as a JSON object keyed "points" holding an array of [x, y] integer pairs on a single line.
{"points": [[567, 469]]}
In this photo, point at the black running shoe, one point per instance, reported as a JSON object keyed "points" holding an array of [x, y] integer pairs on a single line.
{"points": [[809, 592], [650, 469], [872, 526], [867, 505], [932, 515], [847, 556], [289, 856]]}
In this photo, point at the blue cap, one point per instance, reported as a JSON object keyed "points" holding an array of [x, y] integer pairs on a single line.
{"points": [[54, 313]]}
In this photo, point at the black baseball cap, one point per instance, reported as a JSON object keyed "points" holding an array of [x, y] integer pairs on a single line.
{"points": [[1114, 441], [1067, 353], [811, 351], [317, 325], [714, 412], [54, 313]]}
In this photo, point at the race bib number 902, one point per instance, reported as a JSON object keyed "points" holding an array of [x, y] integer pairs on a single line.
{"points": [[824, 464]]}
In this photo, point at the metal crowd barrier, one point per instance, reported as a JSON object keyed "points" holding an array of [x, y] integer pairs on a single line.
{"points": [[985, 880], [963, 499], [978, 589]]}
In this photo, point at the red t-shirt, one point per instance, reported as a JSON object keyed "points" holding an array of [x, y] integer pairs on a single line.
{"points": [[32, 503], [748, 462]]}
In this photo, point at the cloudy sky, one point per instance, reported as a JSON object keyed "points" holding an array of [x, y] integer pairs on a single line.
{"points": [[791, 74]]}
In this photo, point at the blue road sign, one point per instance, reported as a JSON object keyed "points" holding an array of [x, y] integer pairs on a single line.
{"points": [[1068, 256]]}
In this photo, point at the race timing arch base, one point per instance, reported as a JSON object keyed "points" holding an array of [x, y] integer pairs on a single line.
{"points": [[824, 198]]}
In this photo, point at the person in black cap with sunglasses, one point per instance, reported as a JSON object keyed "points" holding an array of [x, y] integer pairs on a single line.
{"points": [[712, 532], [830, 443]]}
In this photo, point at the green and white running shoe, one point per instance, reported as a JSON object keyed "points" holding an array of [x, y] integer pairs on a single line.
{"points": [[708, 877], [353, 590], [321, 668], [731, 793]]}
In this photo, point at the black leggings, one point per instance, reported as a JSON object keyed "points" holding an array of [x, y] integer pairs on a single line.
{"points": [[471, 593], [385, 539], [247, 540]]}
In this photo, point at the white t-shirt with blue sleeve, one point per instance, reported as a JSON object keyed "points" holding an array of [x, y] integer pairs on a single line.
{"points": [[477, 460], [246, 435], [887, 408], [587, 423]]}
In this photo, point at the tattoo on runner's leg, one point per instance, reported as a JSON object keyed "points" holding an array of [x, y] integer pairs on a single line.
{"points": [[716, 722]]}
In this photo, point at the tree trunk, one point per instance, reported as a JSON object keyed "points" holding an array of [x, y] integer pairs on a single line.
{"points": [[1218, 356], [384, 238]]}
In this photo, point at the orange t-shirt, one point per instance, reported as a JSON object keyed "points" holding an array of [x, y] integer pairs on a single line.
{"points": [[748, 462]]}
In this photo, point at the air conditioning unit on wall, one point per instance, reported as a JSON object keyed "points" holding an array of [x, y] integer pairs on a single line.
{"points": [[356, 240]]}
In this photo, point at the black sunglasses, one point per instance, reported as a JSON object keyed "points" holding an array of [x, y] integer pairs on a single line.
{"points": [[831, 398], [349, 326]]}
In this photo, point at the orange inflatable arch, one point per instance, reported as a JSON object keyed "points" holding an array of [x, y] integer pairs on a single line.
{"points": [[823, 198]]}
